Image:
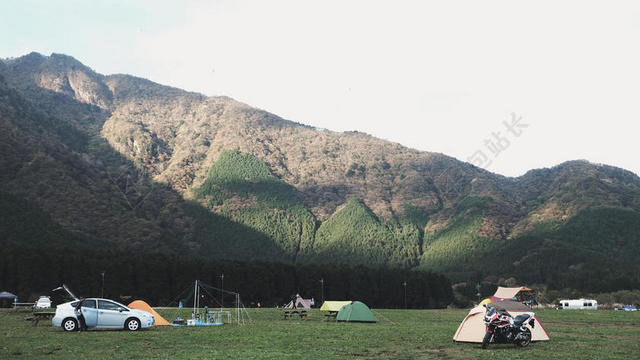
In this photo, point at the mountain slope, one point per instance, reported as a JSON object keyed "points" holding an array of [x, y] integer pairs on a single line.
{"points": [[23, 222], [596, 250], [242, 188], [130, 162], [355, 235]]}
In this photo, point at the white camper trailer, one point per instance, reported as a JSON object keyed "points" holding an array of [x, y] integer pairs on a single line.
{"points": [[580, 304]]}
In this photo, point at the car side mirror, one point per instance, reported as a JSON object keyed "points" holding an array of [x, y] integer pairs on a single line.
{"points": [[121, 310]]}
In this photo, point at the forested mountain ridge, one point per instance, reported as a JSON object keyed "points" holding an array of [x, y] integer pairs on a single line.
{"points": [[121, 160]]}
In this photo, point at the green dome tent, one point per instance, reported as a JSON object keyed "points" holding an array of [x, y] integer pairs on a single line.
{"points": [[356, 312]]}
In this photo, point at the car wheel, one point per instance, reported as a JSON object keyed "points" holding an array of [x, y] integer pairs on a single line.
{"points": [[69, 324], [132, 324]]}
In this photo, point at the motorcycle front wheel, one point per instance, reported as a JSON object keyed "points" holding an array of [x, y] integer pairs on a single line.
{"points": [[486, 340], [525, 338]]}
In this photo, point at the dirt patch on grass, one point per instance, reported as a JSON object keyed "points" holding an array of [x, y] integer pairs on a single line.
{"points": [[551, 324], [591, 336], [445, 353], [387, 351], [51, 350], [590, 325]]}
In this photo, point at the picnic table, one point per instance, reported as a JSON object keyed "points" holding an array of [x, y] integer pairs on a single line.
{"points": [[288, 313], [330, 315], [40, 315], [17, 305]]}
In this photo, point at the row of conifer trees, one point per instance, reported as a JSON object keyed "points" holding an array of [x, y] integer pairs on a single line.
{"points": [[163, 280]]}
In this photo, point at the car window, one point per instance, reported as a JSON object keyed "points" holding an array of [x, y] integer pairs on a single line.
{"points": [[89, 304], [108, 305]]}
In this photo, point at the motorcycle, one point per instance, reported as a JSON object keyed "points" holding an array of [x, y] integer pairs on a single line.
{"points": [[502, 328]]}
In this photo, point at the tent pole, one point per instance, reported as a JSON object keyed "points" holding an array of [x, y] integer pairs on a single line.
{"points": [[195, 297]]}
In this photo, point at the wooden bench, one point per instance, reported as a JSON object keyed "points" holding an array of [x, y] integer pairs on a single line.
{"points": [[17, 305], [40, 315], [288, 313], [331, 315]]}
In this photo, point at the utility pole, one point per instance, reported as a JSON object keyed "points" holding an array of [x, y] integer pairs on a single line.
{"points": [[322, 289], [102, 293], [405, 294], [222, 292]]}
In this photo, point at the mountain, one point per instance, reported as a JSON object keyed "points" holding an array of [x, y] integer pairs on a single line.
{"points": [[121, 161]]}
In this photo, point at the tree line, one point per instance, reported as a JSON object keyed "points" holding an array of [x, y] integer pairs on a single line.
{"points": [[163, 280]]}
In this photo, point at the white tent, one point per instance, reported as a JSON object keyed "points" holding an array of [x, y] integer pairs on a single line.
{"points": [[299, 303]]}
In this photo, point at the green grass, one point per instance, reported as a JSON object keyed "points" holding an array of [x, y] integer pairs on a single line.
{"points": [[400, 334]]}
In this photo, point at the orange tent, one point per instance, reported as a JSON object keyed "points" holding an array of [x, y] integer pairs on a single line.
{"points": [[141, 305]]}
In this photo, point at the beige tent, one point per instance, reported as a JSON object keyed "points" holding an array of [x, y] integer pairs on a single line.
{"points": [[299, 303], [508, 293], [472, 328]]}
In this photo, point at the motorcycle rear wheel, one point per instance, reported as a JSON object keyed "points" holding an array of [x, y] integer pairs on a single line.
{"points": [[525, 338]]}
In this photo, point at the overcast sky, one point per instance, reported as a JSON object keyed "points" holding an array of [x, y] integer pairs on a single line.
{"points": [[446, 76]]}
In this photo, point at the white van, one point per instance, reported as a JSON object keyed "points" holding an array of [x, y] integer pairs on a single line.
{"points": [[44, 302], [580, 304]]}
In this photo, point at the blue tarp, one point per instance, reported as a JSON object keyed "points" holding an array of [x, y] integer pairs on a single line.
{"points": [[7, 295], [200, 323]]}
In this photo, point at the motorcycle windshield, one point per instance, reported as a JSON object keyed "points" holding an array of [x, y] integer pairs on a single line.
{"points": [[520, 319]]}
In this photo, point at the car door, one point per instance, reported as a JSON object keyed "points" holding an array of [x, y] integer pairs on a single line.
{"points": [[90, 312], [111, 315]]}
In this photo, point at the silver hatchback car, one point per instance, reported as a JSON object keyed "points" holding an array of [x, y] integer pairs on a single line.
{"points": [[101, 314]]}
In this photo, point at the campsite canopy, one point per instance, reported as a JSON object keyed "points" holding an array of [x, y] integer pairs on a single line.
{"points": [[472, 328], [356, 312], [7, 295], [509, 306], [508, 293], [157, 319], [333, 305]]}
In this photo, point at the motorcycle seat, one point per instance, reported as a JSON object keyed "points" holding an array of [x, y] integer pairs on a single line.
{"points": [[518, 320]]}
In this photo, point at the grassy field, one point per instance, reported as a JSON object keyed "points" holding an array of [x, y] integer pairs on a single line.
{"points": [[400, 334]]}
